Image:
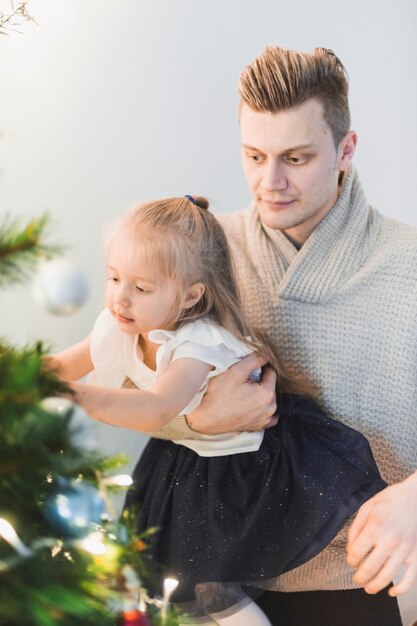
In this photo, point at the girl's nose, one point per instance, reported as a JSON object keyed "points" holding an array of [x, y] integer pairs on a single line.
{"points": [[122, 296]]}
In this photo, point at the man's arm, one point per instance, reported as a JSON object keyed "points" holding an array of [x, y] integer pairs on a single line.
{"points": [[383, 539], [235, 403]]}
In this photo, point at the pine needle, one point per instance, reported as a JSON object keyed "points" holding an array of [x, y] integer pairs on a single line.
{"points": [[19, 14], [21, 247]]}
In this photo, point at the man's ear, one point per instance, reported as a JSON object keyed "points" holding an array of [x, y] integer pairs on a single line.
{"points": [[347, 149], [193, 295]]}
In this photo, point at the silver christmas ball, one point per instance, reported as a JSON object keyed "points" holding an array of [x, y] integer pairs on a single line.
{"points": [[74, 509], [60, 287]]}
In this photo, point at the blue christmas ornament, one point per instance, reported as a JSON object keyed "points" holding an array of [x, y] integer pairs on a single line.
{"points": [[74, 509]]}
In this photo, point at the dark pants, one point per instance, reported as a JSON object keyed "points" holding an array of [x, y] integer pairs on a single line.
{"points": [[350, 607]]}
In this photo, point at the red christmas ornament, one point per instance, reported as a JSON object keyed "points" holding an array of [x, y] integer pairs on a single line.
{"points": [[133, 618]]}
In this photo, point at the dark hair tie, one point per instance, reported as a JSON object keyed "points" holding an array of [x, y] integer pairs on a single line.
{"points": [[191, 199]]}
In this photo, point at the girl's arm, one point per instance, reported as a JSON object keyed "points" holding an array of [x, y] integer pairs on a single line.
{"points": [[74, 362], [145, 410]]}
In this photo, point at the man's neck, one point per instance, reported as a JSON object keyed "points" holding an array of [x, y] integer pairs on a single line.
{"points": [[297, 244]]}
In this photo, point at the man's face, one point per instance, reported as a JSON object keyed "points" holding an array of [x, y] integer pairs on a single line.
{"points": [[292, 165]]}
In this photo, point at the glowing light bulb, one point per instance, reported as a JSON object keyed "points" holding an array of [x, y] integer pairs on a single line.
{"points": [[9, 534], [170, 584], [121, 480], [93, 544]]}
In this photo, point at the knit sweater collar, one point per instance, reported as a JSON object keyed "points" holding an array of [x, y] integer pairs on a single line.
{"points": [[334, 251]]}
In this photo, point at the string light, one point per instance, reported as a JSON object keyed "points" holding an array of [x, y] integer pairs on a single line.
{"points": [[120, 480], [9, 534], [93, 544], [170, 584]]}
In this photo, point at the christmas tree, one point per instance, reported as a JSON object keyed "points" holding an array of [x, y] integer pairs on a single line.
{"points": [[66, 558]]}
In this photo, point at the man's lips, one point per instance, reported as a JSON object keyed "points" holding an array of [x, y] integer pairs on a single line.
{"points": [[122, 318], [277, 204]]}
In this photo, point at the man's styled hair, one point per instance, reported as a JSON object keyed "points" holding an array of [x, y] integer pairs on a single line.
{"points": [[281, 79]]}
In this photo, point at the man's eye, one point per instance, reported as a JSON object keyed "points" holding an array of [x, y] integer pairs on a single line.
{"points": [[140, 289], [113, 279], [296, 160], [256, 158]]}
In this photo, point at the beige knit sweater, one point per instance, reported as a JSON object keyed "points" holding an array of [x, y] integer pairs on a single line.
{"points": [[343, 310]]}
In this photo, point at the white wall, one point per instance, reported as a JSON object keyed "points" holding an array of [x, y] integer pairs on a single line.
{"points": [[107, 102]]}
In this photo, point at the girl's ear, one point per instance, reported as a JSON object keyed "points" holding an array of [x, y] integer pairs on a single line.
{"points": [[193, 295]]}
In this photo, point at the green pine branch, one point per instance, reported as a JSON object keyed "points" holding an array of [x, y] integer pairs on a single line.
{"points": [[21, 247], [25, 379], [58, 583], [37, 451]]}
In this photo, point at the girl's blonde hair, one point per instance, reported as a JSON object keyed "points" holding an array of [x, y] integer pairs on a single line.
{"points": [[183, 241]]}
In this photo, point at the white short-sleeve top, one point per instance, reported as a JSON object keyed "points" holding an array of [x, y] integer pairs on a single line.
{"points": [[116, 355]]}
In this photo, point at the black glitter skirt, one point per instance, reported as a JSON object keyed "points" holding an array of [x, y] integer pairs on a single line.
{"points": [[252, 516]]}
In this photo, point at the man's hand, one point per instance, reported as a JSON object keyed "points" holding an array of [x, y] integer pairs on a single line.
{"points": [[234, 403], [383, 539]]}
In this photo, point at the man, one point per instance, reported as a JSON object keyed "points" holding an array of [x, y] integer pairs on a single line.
{"points": [[333, 282]]}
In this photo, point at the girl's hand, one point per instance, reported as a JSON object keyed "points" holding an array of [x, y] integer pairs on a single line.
{"points": [[50, 363], [72, 363], [383, 539], [235, 403]]}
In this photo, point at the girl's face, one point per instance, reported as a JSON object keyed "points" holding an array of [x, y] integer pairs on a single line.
{"points": [[137, 296]]}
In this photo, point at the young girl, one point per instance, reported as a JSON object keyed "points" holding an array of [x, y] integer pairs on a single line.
{"points": [[234, 509]]}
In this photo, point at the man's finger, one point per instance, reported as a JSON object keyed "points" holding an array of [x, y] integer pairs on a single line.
{"points": [[360, 548], [355, 530], [370, 566], [269, 379], [386, 575], [379, 569], [407, 580], [249, 364], [272, 422]]}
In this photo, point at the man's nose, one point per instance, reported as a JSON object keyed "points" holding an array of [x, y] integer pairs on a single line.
{"points": [[275, 178]]}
